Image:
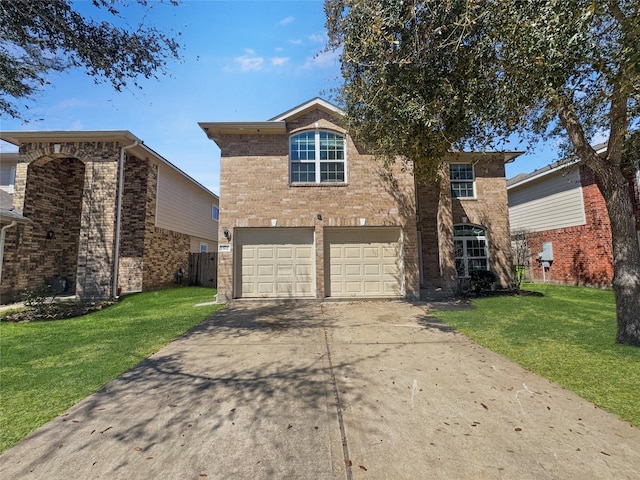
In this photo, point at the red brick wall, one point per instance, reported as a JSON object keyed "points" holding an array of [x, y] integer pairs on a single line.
{"points": [[583, 254]]}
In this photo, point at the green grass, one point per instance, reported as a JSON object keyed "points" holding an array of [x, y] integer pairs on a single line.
{"points": [[46, 367], [566, 335]]}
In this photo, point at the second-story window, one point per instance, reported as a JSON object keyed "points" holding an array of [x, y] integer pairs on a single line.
{"points": [[317, 157], [462, 180]]}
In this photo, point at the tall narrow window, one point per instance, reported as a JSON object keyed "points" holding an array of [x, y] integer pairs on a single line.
{"points": [[215, 213], [12, 180], [462, 180], [317, 157], [470, 249]]}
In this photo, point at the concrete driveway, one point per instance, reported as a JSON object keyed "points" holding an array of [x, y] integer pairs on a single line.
{"points": [[361, 390]]}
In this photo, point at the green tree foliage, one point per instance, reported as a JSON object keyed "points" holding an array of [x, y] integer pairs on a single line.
{"points": [[422, 78], [41, 36]]}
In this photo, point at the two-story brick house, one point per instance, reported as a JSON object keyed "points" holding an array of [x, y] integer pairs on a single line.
{"points": [[104, 215], [305, 212]]}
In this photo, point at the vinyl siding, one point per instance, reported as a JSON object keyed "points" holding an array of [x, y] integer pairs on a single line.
{"points": [[553, 201], [212, 245], [184, 207]]}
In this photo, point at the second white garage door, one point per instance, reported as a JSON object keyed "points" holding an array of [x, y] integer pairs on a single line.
{"points": [[364, 262], [275, 263]]}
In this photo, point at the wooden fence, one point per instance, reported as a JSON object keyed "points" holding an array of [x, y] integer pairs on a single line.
{"points": [[203, 269]]}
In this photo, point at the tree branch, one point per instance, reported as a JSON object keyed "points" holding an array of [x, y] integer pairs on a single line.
{"points": [[571, 123]]}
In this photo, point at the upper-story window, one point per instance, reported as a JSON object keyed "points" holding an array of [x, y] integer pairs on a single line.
{"points": [[215, 212], [462, 180], [317, 157]]}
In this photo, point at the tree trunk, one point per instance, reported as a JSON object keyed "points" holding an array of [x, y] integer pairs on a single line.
{"points": [[626, 252]]}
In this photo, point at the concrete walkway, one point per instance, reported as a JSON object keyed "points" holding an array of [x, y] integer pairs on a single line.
{"points": [[362, 390]]}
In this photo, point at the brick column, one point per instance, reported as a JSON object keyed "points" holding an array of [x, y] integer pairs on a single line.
{"points": [[445, 233], [97, 230]]}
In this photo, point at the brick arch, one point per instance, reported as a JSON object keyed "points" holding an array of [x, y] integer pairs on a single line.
{"points": [[36, 152], [53, 203]]}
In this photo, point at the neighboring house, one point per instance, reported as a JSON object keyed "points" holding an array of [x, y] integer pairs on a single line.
{"points": [[564, 216], [306, 213], [8, 171], [106, 215]]}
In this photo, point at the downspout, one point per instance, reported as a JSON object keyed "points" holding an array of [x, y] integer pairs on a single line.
{"points": [[116, 248], [3, 233]]}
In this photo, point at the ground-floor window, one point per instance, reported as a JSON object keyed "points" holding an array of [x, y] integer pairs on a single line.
{"points": [[470, 249]]}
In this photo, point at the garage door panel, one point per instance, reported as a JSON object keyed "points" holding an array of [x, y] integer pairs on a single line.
{"points": [[304, 270], [372, 270], [265, 271], [284, 271], [275, 262], [285, 252], [364, 262], [352, 252], [352, 270], [266, 253]]}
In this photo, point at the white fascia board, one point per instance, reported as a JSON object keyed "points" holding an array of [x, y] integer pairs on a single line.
{"points": [[311, 104]]}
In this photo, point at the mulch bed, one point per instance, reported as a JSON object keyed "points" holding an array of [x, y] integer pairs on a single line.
{"points": [[55, 311]]}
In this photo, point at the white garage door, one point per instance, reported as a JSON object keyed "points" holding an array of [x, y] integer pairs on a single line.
{"points": [[275, 263], [364, 262]]}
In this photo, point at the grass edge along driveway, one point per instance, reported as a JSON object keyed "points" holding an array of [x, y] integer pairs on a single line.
{"points": [[46, 367], [563, 333]]}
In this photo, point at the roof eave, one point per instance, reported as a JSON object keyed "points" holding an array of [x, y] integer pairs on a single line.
{"points": [[214, 130], [19, 137]]}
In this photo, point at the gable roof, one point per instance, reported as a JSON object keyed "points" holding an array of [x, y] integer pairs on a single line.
{"points": [[523, 178], [313, 104], [274, 126]]}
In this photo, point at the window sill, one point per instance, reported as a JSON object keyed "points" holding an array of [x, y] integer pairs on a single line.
{"points": [[325, 184]]}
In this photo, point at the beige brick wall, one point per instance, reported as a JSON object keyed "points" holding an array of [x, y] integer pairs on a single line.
{"points": [[254, 189], [164, 251], [73, 194], [439, 212]]}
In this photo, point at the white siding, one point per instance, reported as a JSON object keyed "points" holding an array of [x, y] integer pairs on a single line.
{"points": [[184, 207], [8, 171], [553, 201]]}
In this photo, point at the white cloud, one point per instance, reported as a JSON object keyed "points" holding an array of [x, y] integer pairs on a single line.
{"points": [[277, 61], [250, 61], [286, 21], [73, 103], [318, 38], [324, 59], [296, 41]]}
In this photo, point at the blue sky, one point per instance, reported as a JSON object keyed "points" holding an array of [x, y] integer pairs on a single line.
{"points": [[242, 60]]}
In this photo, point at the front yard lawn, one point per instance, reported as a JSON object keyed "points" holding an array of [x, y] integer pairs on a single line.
{"points": [[566, 334], [46, 367]]}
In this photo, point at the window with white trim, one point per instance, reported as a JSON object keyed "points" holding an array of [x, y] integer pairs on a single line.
{"points": [[215, 212], [204, 248], [317, 157], [471, 250], [12, 180], [462, 180]]}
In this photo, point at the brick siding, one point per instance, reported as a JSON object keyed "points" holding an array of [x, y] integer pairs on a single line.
{"points": [[254, 188], [438, 212], [73, 194], [582, 254]]}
